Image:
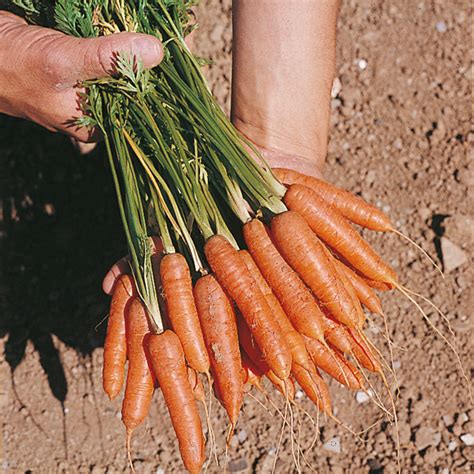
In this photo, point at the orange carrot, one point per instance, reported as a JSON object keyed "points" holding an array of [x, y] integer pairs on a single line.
{"points": [[334, 364], [181, 310], [252, 375], [377, 285], [295, 342], [196, 386], [140, 385], [338, 233], [295, 298], [253, 352], [234, 276], [314, 386], [219, 327], [364, 292], [350, 206], [363, 353], [115, 347], [336, 334], [305, 253], [169, 366]]}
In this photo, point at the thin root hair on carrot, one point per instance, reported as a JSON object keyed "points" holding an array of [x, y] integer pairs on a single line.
{"points": [[421, 249], [406, 293]]}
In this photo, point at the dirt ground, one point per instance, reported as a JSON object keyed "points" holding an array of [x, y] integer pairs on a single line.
{"points": [[401, 134]]}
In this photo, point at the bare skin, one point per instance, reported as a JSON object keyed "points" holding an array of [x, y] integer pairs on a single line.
{"points": [[40, 69]]}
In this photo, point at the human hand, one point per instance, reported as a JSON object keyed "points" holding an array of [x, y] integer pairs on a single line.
{"points": [[41, 69]]}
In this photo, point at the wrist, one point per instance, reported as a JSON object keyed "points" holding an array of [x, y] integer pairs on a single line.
{"points": [[276, 135]]}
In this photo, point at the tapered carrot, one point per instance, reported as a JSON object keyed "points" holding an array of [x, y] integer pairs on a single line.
{"points": [[314, 386], [376, 285], [348, 284], [169, 366], [181, 310], [333, 364], [252, 375], [253, 352], [295, 298], [196, 386], [115, 347], [295, 342], [219, 328], [364, 292], [234, 276], [335, 333], [351, 207], [139, 387], [338, 233], [363, 353], [304, 252]]}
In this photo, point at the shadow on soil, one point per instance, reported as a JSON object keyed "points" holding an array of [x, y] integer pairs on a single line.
{"points": [[59, 232]]}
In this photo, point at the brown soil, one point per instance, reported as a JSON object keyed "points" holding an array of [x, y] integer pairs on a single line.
{"points": [[400, 137]]}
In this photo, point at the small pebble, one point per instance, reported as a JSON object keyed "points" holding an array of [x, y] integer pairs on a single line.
{"points": [[396, 364], [453, 255], [66, 410], [160, 470], [333, 445], [362, 397], [452, 445], [299, 395], [462, 418], [441, 27], [238, 465], [448, 420], [362, 63], [272, 451], [336, 87], [468, 439]]}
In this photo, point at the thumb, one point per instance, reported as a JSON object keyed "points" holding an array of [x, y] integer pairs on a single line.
{"points": [[96, 57]]}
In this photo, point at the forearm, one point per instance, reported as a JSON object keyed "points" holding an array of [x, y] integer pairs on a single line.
{"points": [[283, 67]]}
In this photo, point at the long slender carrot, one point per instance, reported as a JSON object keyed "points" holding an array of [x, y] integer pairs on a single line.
{"points": [[350, 206], [364, 354], [348, 284], [219, 327], [181, 310], [295, 298], [295, 342], [253, 352], [115, 347], [169, 366], [234, 276], [314, 386], [139, 387], [304, 252], [325, 359], [338, 233], [364, 292]]}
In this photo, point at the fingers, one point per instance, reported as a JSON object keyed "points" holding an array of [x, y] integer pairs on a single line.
{"points": [[122, 267], [83, 148], [96, 57]]}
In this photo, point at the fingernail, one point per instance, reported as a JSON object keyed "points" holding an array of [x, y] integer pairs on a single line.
{"points": [[148, 49]]}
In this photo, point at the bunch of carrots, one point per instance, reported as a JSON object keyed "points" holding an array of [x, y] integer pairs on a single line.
{"points": [[262, 272], [285, 308]]}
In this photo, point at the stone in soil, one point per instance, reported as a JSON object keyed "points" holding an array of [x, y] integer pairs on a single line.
{"points": [[453, 255], [468, 439], [333, 445], [426, 437]]}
